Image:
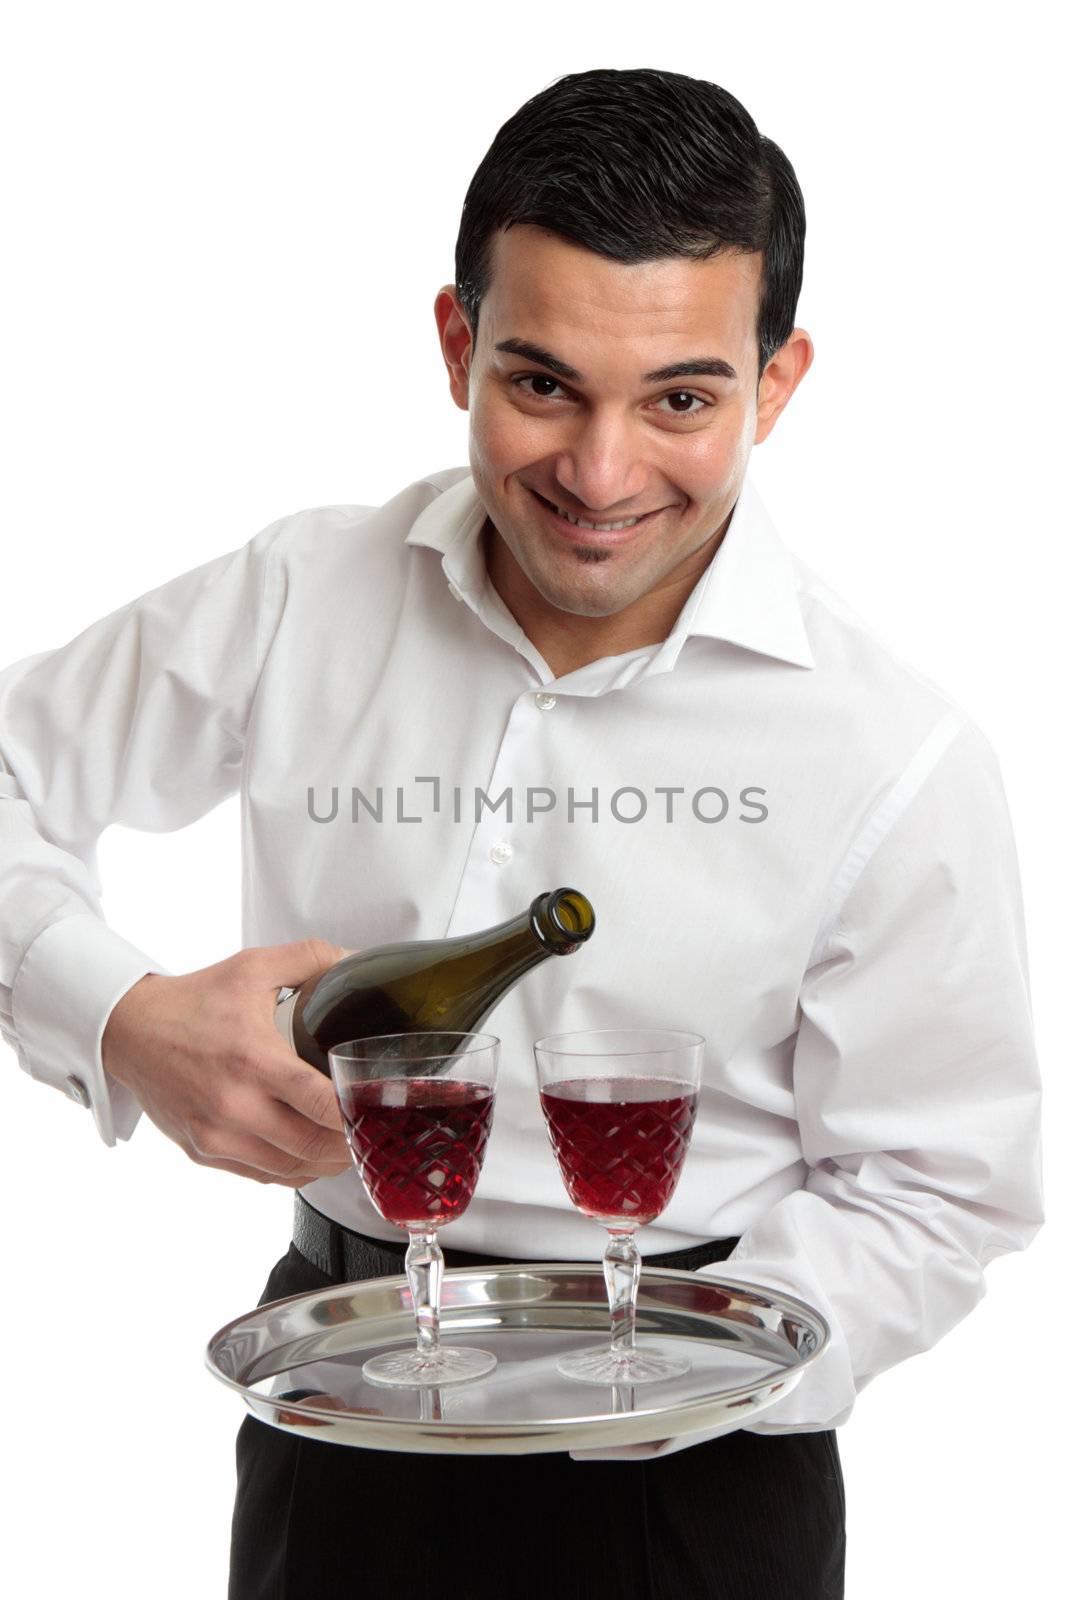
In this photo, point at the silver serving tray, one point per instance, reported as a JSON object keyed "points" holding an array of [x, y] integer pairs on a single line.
{"points": [[748, 1348]]}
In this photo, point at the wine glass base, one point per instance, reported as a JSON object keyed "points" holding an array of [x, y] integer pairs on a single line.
{"points": [[411, 1369], [603, 1365]]}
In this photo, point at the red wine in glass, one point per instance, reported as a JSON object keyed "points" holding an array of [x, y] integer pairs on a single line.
{"points": [[417, 1108], [620, 1104], [620, 1143], [419, 1144]]}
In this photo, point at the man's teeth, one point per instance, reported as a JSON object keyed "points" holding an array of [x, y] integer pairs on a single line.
{"points": [[598, 527]]}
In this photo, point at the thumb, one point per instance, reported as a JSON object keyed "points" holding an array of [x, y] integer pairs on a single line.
{"points": [[290, 965]]}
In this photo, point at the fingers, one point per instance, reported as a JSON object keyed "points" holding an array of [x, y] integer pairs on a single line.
{"points": [[280, 1165], [236, 1167], [305, 1090], [302, 1137], [262, 1063], [255, 1131], [256, 1157], [296, 1182]]}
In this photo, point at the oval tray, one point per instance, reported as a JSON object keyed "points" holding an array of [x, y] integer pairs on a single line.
{"points": [[297, 1362]]}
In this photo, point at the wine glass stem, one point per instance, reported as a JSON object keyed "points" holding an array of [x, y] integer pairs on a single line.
{"points": [[423, 1264], [622, 1268]]}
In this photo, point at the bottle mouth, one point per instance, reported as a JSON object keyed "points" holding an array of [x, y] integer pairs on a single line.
{"points": [[569, 913]]}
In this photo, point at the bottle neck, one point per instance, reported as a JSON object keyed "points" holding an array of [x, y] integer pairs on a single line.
{"points": [[562, 919], [503, 954], [556, 924]]}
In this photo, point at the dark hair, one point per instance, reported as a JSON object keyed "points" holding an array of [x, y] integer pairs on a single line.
{"points": [[639, 165]]}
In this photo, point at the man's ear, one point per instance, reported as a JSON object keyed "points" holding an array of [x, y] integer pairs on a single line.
{"points": [[457, 345], [781, 376]]}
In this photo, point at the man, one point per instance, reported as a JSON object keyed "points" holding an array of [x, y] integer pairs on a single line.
{"points": [[590, 660]]}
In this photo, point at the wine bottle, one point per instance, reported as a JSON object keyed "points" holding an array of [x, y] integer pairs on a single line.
{"points": [[429, 985]]}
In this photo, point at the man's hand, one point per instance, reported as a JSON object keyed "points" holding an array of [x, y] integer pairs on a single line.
{"points": [[207, 1064]]}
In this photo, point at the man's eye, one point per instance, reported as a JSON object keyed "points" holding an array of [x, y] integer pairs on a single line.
{"points": [[537, 377], [678, 394], [685, 394]]}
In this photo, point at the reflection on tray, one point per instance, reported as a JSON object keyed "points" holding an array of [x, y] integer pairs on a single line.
{"points": [[524, 1385]]}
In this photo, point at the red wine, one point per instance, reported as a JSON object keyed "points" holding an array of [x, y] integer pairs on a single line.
{"points": [[620, 1142], [418, 1144]]}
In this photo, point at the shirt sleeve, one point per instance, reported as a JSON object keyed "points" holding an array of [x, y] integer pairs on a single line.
{"points": [[916, 1086], [139, 720]]}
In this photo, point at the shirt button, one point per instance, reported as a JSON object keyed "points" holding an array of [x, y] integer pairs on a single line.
{"points": [[544, 702], [454, 592], [501, 853], [77, 1090]]}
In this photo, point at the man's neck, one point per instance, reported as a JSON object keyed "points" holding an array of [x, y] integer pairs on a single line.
{"points": [[568, 641]]}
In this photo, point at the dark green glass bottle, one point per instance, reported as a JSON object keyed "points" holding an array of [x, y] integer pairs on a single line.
{"points": [[425, 985]]}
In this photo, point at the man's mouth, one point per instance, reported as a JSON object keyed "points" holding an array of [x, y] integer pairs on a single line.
{"points": [[582, 531]]}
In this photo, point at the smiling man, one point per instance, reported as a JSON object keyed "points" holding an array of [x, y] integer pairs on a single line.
{"points": [[608, 487], [584, 657]]}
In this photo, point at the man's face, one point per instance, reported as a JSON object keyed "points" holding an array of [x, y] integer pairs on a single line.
{"points": [[609, 441]]}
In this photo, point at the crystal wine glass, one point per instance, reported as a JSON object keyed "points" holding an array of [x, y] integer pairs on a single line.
{"points": [[417, 1109], [620, 1106]]}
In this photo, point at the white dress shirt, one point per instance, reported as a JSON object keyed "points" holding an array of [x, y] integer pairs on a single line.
{"points": [[834, 902]]}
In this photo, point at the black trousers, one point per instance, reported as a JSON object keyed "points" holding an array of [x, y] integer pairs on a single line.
{"points": [[744, 1517]]}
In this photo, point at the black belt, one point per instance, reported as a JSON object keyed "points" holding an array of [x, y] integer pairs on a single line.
{"points": [[347, 1256]]}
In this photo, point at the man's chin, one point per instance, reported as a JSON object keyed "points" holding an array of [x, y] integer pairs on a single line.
{"points": [[583, 585], [577, 603]]}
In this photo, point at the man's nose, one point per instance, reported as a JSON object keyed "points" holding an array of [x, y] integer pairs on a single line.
{"points": [[604, 468]]}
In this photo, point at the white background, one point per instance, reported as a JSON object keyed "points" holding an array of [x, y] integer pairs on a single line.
{"points": [[226, 226]]}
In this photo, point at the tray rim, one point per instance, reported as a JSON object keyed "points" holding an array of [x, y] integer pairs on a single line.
{"points": [[641, 1424]]}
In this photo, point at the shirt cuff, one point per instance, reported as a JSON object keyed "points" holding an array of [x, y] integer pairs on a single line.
{"points": [[822, 1399], [826, 1393], [69, 981]]}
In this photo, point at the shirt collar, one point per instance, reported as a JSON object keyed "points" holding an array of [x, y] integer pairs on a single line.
{"points": [[747, 596]]}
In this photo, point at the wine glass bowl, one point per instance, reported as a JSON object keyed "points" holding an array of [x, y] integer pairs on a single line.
{"points": [[620, 1159], [418, 1144], [620, 1106], [417, 1109]]}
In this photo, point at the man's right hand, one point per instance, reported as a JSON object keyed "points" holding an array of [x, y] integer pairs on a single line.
{"points": [[203, 1056]]}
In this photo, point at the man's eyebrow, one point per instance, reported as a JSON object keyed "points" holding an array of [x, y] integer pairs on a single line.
{"points": [[696, 366]]}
